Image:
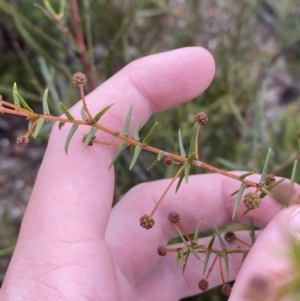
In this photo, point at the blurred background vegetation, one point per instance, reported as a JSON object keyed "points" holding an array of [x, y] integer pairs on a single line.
{"points": [[252, 104]]}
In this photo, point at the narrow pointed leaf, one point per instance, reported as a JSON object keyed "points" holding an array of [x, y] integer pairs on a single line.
{"points": [[193, 139], [226, 266], [89, 137], [152, 165], [137, 151], [69, 137], [66, 112], [187, 167], [61, 124], [136, 134], [238, 199], [191, 157], [247, 174], [208, 253], [38, 127], [252, 233], [45, 103], [101, 113], [220, 238], [182, 237], [245, 212], [294, 173], [160, 155], [265, 191], [15, 97], [196, 234], [187, 254], [192, 250], [149, 136], [235, 192], [119, 151], [182, 151], [181, 256], [181, 177], [83, 114], [127, 123], [23, 102], [266, 166], [176, 262]]}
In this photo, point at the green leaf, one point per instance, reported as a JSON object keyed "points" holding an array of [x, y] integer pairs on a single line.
{"points": [[70, 135], [45, 103], [294, 173], [187, 254], [66, 112], [196, 234], [89, 137], [160, 155], [127, 123], [83, 114], [252, 233], [181, 177], [16, 99], [220, 238], [208, 253], [192, 145], [149, 136], [245, 175], [137, 151], [182, 151], [176, 262], [137, 130], [19, 100], [191, 157], [152, 165], [181, 256], [265, 169], [226, 266], [101, 113], [187, 167], [38, 127], [61, 124], [238, 199], [194, 253], [119, 151]]}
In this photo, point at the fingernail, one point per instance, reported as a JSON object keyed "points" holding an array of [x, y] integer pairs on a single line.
{"points": [[295, 224]]}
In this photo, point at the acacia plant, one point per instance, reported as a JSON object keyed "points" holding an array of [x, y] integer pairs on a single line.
{"points": [[186, 161]]}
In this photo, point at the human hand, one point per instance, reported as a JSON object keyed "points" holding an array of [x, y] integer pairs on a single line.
{"points": [[72, 246]]}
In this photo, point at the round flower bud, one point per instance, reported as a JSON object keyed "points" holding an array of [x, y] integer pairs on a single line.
{"points": [[168, 161], [226, 289], [252, 200], [146, 221], [203, 284], [79, 79], [162, 251], [22, 141], [201, 118], [174, 217], [270, 179], [229, 236]]}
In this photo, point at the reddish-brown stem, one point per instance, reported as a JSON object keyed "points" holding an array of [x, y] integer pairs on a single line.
{"points": [[128, 140], [31, 128], [243, 242], [167, 189], [85, 107], [211, 267], [196, 142], [107, 143], [76, 20], [184, 233], [221, 270]]}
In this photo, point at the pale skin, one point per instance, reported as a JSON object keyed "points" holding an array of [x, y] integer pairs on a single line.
{"points": [[72, 246]]}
